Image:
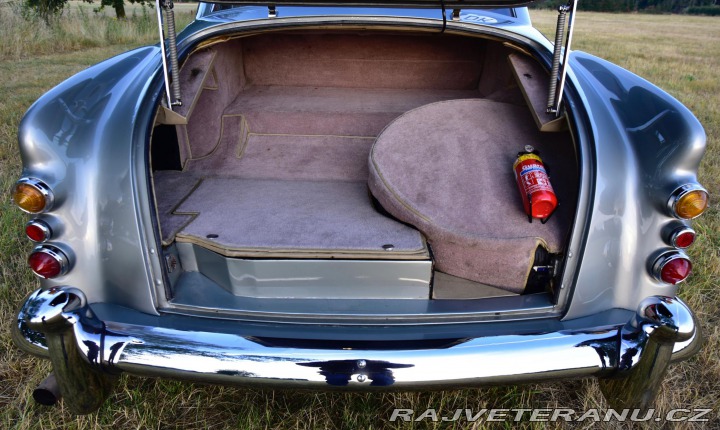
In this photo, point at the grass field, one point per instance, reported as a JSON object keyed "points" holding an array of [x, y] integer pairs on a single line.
{"points": [[680, 54]]}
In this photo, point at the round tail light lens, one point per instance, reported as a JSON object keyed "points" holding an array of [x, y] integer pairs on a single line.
{"points": [[672, 268], [32, 195], [689, 201], [48, 262], [38, 230], [682, 237]]}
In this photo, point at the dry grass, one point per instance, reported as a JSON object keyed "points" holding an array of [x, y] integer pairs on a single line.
{"points": [[680, 54], [78, 27]]}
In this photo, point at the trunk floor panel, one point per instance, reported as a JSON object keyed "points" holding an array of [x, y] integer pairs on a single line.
{"points": [[254, 217]]}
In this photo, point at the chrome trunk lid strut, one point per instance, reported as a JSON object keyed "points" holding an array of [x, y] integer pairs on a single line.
{"points": [[556, 91], [172, 86]]}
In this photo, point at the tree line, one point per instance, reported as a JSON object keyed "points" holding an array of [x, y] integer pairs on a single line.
{"points": [[660, 6], [48, 8]]}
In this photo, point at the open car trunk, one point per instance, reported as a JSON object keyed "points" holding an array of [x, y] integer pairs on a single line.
{"points": [[358, 165]]}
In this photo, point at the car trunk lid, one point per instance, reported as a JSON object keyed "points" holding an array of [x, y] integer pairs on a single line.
{"points": [[448, 4]]}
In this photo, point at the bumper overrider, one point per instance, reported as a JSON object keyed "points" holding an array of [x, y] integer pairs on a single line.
{"points": [[88, 354]]}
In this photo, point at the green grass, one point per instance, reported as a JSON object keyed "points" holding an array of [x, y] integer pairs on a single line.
{"points": [[680, 54]]}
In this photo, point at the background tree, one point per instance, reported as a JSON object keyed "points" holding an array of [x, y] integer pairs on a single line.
{"points": [[675, 6], [118, 5], [44, 9]]}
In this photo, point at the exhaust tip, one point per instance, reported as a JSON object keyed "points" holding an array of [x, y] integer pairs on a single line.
{"points": [[48, 392]]}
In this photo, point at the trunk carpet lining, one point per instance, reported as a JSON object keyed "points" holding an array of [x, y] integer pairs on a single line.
{"points": [[252, 217], [331, 110], [171, 188], [282, 152]]}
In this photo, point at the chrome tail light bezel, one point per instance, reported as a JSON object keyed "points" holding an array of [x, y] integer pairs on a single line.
{"points": [[57, 254], [679, 232], [679, 193], [42, 226], [663, 260], [42, 187]]}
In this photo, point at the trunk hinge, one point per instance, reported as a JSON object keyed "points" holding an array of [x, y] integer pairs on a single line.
{"points": [[172, 82], [555, 94]]}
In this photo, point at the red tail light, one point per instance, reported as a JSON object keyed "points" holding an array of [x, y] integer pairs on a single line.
{"points": [[48, 261], [672, 268], [682, 237], [38, 230]]}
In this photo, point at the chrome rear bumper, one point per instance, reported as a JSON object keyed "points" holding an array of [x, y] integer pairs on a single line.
{"points": [[53, 322]]}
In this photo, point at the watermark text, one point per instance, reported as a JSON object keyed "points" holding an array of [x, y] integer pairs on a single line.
{"points": [[553, 415]]}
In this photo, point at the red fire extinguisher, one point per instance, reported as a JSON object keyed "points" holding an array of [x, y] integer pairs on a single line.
{"points": [[537, 194]]}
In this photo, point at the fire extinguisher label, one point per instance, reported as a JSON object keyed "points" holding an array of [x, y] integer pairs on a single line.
{"points": [[534, 178]]}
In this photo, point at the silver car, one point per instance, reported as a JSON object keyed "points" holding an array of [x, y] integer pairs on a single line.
{"points": [[361, 195]]}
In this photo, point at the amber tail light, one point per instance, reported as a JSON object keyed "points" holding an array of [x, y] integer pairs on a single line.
{"points": [[688, 201], [32, 195]]}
